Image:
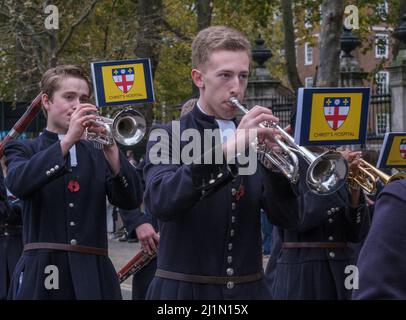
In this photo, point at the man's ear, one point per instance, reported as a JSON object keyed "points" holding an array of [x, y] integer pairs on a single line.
{"points": [[197, 78], [45, 101]]}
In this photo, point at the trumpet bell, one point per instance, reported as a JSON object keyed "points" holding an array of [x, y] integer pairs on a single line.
{"points": [[327, 173], [129, 127]]}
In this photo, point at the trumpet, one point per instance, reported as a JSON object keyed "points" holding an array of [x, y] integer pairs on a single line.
{"points": [[366, 176], [327, 172], [128, 128]]}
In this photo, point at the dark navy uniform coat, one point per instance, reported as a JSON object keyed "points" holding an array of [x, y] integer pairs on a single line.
{"points": [[39, 176], [210, 220], [382, 260], [10, 237], [313, 273]]}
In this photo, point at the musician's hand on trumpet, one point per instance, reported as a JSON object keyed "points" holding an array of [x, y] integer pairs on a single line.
{"points": [[354, 162], [84, 117], [353, 158], [248, 129], [148, 238], [80, 117]]}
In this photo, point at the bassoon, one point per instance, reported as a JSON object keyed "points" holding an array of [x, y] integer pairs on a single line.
{"points": [[139, 261]]}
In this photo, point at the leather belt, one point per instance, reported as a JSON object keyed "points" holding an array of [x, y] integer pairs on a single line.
{"points": [[10, 226], [319, 245], [207, 279], [65, 247]]}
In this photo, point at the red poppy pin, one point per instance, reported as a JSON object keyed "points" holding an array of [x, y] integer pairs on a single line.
{"points": [[240, 193], [73, 185]]}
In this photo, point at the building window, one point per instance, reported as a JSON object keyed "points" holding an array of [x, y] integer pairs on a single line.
{"points": [[382, 10], [382, 82], [308, 82], [381, 46], [382, 123], [308, 53]]}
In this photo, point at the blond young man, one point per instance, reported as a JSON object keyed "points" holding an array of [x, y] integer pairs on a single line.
{"points": [[209, 213], [62, 181]]}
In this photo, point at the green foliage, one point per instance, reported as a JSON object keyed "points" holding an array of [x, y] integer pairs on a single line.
{"points": [[109, 33]]}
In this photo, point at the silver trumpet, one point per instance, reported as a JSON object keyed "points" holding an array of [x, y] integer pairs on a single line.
{"points": [[128, 128], [327, 172]]}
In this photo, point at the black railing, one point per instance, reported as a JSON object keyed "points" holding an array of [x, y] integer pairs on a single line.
{"points": [[282, 107]]}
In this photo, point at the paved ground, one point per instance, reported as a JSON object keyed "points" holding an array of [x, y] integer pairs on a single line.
{"points": [[120, 253]]}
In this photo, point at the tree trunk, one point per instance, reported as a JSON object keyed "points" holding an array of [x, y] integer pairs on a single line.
{"points": [[329, 43], [289, 42], [52, 49], [148, 39], [204, 10]]}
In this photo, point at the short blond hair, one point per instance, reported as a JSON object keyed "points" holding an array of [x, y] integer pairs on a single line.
{"points": [[52, 79], [217, 38]]}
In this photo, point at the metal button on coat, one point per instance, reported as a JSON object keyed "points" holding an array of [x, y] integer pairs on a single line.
{"points": [[332, 254], [230, 285], [230, 271], [73, 242], [71, 205]]}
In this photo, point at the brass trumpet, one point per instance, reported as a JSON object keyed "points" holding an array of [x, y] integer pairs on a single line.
{"points": [[128, 128], [366, 176], [327, 172]]}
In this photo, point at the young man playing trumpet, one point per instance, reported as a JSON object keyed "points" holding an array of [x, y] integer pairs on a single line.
{"points": [[62, 181], [209, 211]]}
